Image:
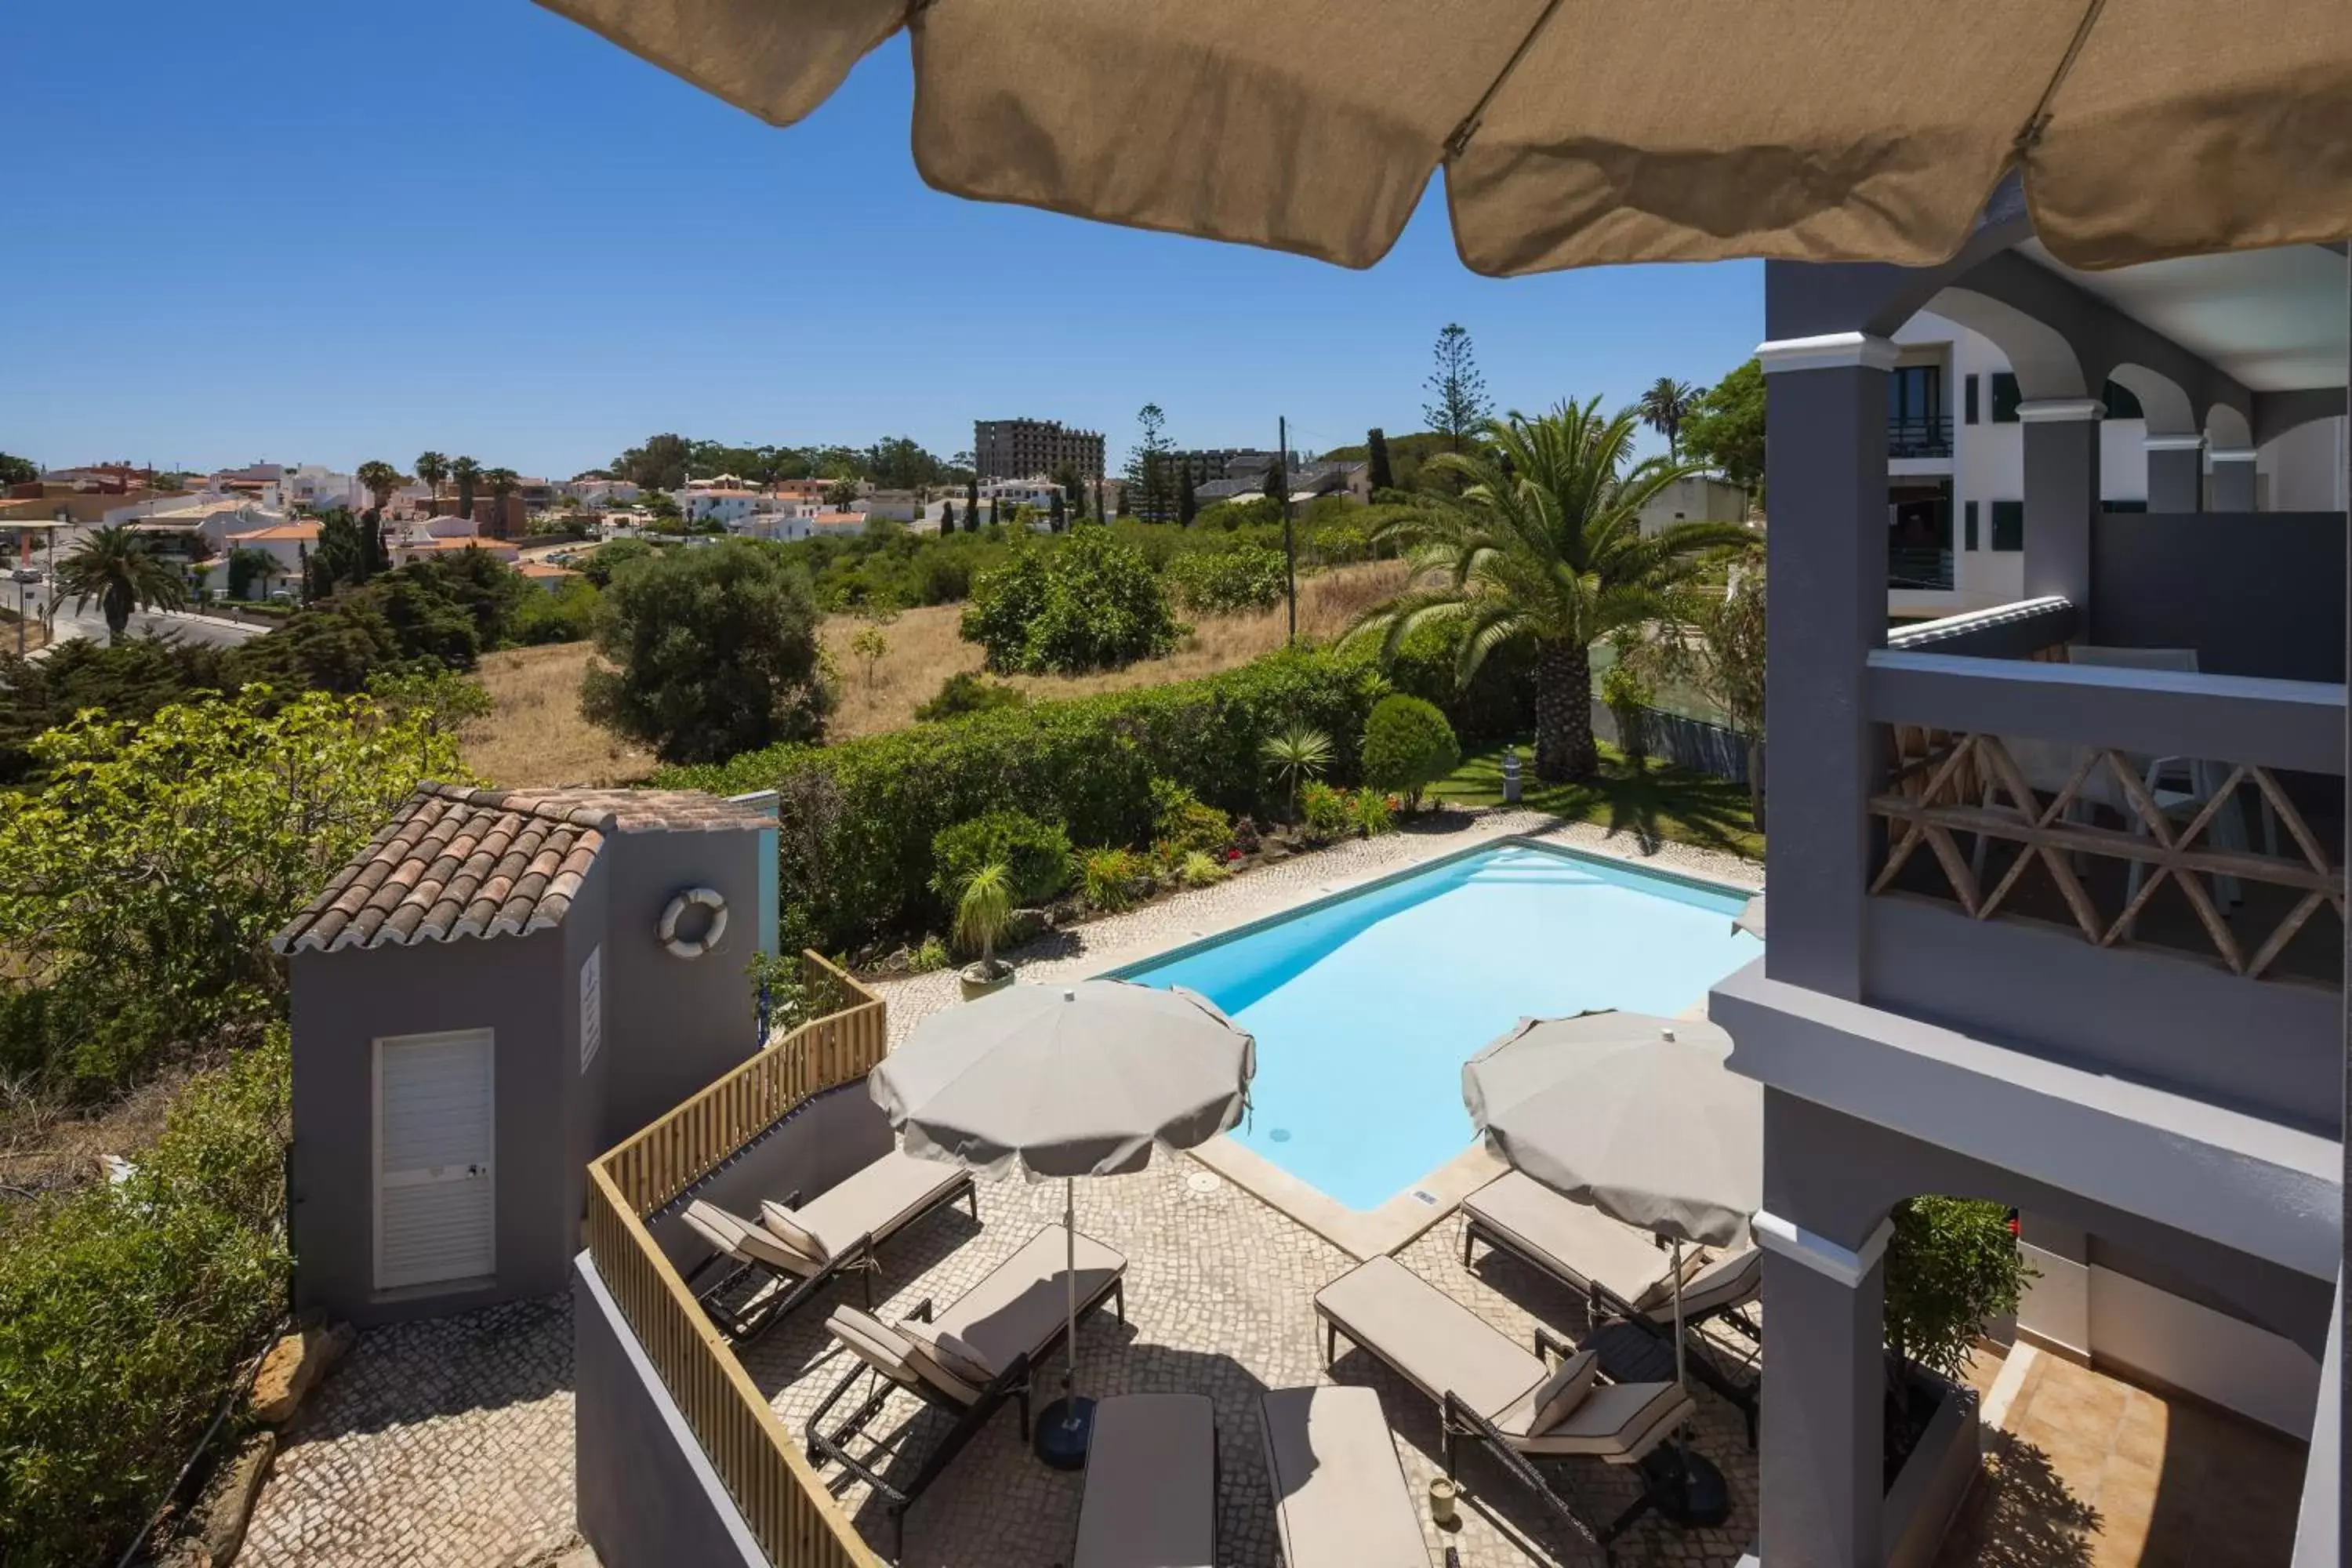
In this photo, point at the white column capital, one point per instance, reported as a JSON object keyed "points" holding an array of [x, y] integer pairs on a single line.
{"points": [[1846, 1265], [2173, 443], [2234, 454], [2057, 410], [1831, 350]]}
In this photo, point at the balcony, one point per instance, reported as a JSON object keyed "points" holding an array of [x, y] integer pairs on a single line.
{"points": [[1920, 435]]}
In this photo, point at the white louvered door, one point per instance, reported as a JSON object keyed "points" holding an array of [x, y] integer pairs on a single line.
{"points": [[434, 1208]]}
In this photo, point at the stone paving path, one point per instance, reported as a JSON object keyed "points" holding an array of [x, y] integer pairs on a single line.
{"points": [[441, 1444]]}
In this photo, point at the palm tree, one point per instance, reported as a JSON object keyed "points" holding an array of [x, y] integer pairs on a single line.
{"points": [[1294, 755], [380, 479], [467, 473], [1544, 546], [1664, 407], [115, 567], [432, 468]]}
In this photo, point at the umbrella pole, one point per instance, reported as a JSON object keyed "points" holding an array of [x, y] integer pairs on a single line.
{"points": [[1070, 1278], [1680, 1380]]}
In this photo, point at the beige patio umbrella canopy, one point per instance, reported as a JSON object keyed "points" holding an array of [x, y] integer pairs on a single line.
{"points": [[1573, 132]]}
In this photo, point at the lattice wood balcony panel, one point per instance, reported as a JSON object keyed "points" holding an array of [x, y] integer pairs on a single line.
{"points": [[1947, 785]]}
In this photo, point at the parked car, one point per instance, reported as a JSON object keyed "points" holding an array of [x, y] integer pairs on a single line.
{"points": [[25, 575]]}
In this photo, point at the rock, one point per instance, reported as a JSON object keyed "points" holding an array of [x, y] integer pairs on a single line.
{"points": [[899, 963], [293, 1367], [1026, 925], [218, 1520]]}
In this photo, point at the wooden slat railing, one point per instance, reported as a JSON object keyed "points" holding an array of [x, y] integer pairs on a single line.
{"points": [[795, 1519]]}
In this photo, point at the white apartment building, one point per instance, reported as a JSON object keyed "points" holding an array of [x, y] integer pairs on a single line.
{"points": [[319, 488], [729, 508], [1956, 469]]}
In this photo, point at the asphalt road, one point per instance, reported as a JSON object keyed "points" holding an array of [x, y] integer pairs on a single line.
{"points": [[89, 623]]}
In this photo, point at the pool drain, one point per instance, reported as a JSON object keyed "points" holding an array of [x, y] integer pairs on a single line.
{"points": [[1201, 1184], [1280, 1135]]}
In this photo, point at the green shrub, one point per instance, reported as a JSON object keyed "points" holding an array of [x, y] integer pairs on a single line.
{"points": [[1499, 702], [566, 613], [1628, 698], [929, 957], [1369, 813], [968, 692], [1179, 817], [707, 653], [127, 1310], [1323, 812], [1110, 881], [1952, 1267], [1036, 855], [1225, 582], [1202, 869], [1408, 746], [858, 817], [1087, 602]]}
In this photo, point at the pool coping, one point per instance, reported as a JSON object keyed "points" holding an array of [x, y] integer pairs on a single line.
{"points": [[1418, 1207]]}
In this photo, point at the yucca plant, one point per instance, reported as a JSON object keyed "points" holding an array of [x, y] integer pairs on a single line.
{"points": [[984, 910], [1295, 755]]}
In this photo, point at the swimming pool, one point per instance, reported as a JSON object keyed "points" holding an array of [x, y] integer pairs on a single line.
{"points": [[1366, 1007]]}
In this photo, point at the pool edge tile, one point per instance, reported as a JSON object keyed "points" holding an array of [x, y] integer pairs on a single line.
{"points": [[1361, 1234]]}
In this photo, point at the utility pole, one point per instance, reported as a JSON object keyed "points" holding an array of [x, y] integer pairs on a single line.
{"points": [[1289, 549]]}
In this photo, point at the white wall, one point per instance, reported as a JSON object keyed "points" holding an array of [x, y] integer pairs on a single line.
{"points": [[2217, 1358], [2304, 468]]}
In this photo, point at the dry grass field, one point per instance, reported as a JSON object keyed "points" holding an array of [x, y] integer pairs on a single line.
{"points": [[535, 735]]}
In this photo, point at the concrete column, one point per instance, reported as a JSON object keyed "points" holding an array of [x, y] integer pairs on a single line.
{"points": [[2056, 1305], [2175, 473], [1822, 1459], [1825, 459], [2062, 495], [2233, 479]]}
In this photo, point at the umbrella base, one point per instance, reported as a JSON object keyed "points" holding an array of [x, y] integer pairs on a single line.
{"points": [[1063, 1429], [1685, 1488]]}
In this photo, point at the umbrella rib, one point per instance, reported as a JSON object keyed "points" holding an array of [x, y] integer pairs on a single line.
{"points": [[1470, 121], [2036, 123]]}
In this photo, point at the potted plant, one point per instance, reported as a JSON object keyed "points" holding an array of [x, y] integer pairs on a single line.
{"points": [[983, 910]]}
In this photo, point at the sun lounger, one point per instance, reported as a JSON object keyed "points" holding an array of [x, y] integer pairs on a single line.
{"points": [[1486, 1386], [785, 1257], [966, 1358], [1150, 1499], [1623, 1273], [1340, 1499]]}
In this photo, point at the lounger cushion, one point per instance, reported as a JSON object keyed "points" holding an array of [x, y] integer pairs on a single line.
{"points": [[1020, 1307], [1564, 1389], [743, 1241], [1618, 1422], [950, 1351], [1439, 1345], [1339, 1495], [877, 1200], [1150, 1498], [1729, 1281], [786, 1226], [1573, 1240], [1696, 1260], [894, 1354]]}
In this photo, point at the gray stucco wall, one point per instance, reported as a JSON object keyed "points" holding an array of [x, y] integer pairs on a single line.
{"points": [[647, 1495], [674, 1025], [2255, 592], [819, 1145], [524, 990]]}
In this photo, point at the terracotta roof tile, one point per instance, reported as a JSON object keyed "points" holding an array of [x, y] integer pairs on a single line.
{"points": [[455, 862]]}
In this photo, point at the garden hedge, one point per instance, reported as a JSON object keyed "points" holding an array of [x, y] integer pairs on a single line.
{"points": [[860, 815]]}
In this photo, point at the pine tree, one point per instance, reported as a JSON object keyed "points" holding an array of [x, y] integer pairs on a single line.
{"points": [[947, 518], [1188, 503], [1149, 467], [1375, 457], [995, 513], [1459, 405], [1056, 518]]}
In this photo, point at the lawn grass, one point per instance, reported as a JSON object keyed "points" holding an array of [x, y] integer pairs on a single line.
{"points": [[1653, 803]]}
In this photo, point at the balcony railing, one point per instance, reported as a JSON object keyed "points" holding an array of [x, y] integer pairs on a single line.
{"points": [[1920, 435], [1918, 568], [2113, 783], [796, 1521]]}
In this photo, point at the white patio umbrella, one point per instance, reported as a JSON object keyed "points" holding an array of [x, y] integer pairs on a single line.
{"points": [[1068, 1080], [1634, 1114]]}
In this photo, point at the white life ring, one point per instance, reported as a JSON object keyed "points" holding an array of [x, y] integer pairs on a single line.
{"points": [[694, 897]]}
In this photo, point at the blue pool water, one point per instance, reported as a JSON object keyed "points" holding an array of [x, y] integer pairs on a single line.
{"points": [[1366, 1008]]}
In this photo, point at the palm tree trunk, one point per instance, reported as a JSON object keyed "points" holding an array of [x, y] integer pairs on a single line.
{"points": [[1565, 752]]}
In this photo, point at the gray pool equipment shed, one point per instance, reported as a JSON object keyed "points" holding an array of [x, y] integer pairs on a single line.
{"points": [[499, 986]]}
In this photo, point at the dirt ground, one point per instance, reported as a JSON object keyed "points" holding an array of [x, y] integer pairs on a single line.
{"points": [[534, 735]]}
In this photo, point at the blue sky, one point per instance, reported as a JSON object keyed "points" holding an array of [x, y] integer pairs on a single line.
{"points": [[326, 233]]}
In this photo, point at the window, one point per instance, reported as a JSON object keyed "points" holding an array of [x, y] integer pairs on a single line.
{"points": [[2127, 506], [1969, 513], [2005, 398], [2121, 403], [1968, 399], [2008, 525]]}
